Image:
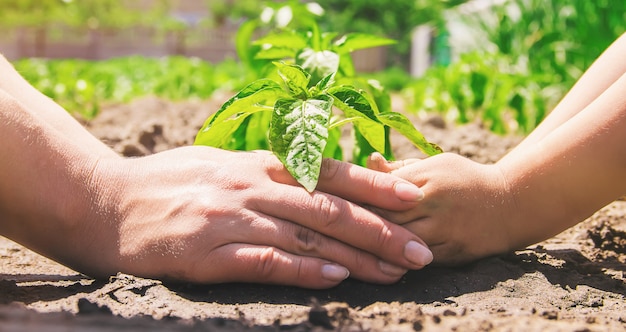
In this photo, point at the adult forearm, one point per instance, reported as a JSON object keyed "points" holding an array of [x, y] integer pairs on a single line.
{"points": [[47, 110], [44, 180]]}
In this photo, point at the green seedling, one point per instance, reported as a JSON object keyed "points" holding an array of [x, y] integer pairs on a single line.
{"points": [[299, 106]]}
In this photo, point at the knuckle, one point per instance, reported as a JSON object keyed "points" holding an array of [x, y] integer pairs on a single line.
{"points": [[361, 259], [308, 240], [385, 237], [329, 211], [267, 264], [331, 168]]}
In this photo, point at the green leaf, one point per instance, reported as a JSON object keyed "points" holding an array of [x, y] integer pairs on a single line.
{"points": [[285, 39], [274, 53], [327, 38], [258, 96], [247, 91], [318, 64], [362, 149], [358, 41], [355, 99], [333, 148], [296, 79], [346, 65], [298, 136], [281, 45], [380, 97], [325, 83], [220, 133], [242, 41], [256, 131], [355, 105], [403, 125]]}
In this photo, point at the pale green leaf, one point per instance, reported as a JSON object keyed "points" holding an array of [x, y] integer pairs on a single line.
{"points": [[296, 79], [298, 136], [284, 39], [318, 64], [258, 96], [274, 53], [247, 91], [357, 41], [245, 50], [356, 106], [404, 126], [325, 83], [221, 132]]}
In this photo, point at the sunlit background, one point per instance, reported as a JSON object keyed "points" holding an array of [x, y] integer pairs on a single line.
{"points": [[506, 62]]}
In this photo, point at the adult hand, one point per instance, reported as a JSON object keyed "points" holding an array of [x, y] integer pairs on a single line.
{"points": [[192, 214], [207, 215], [463, 215]]}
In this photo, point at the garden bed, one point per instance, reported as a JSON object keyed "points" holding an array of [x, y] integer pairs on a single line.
{"points": [[572, 282]]}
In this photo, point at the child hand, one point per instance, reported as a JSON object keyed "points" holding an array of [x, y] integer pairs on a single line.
{"points": [[465, 210]]}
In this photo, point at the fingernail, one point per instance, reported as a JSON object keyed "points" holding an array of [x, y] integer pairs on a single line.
{"points": [[408, 192], [417, 253], [390, 269], [335, 272]]}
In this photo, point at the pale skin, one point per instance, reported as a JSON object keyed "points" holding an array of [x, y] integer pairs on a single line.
{"points": [[194, 214], [571, 165]]}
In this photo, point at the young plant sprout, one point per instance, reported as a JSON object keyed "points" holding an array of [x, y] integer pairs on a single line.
{"points": [[315, 76]]}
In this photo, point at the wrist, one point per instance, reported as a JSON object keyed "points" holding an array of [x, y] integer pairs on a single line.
{"points": [[89, 214], [536, 211], [509, 211], [50, 191]]}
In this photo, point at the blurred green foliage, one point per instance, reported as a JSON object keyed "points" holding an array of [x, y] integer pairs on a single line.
{"points": [[83, 86], [562, 37], [396, 21], [534, 52], [89, 14], [29, 12], [486, 87], [393, 19]]}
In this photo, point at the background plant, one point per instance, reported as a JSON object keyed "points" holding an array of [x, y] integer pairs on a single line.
{"points": [[82, 86], [394, 19], [531, 53], [561, 37], [538, 48], [485, 87]]}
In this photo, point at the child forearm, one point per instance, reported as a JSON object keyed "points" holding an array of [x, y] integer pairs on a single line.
{"points": [[599, 77], [573, 171]]}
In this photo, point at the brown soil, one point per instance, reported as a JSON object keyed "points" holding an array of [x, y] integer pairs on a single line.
{"points": [[572, 282]]}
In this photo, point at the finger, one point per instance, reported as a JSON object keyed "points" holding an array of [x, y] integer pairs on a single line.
{"points": [[302, 241], [377, 161], [353, 182], [346, 222], [400, 217], [268, 265], [427, 230], [359, 184]]}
